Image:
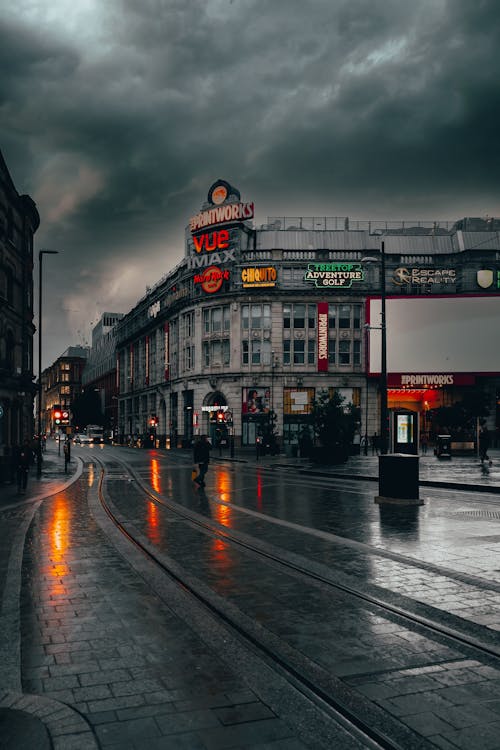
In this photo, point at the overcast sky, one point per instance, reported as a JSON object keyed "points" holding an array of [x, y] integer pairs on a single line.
{"points": [[117, 115]]}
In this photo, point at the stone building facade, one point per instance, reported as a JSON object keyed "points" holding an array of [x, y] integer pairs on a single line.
{"points": [[19, 220], [256, 322]]}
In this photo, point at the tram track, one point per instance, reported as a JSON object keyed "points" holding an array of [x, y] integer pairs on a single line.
{"points": [[327, 692]]}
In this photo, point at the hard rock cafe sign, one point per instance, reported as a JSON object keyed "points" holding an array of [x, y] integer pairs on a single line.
{"points": [[212, 279]]}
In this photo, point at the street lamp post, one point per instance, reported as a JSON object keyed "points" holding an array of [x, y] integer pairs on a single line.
{"points": [[41, 253], [384, 427], [383, 366]]}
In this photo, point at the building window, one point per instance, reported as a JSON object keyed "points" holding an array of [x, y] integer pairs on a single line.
{"points": [[216, 353], [344, 352], [256, 317], [344, 316], [189, 357], [311, 351], [256, 349], [356, 352], [298, 351], [216, 319], [188, 324], [332, 349], [286, 351], [244, 352]]}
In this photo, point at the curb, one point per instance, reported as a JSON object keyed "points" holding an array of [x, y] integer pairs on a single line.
{"points": [[53, 724]]}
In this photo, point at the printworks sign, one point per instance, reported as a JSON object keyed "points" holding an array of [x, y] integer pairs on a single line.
{"points": [[226, 208], [334, 274], [322, 336]]}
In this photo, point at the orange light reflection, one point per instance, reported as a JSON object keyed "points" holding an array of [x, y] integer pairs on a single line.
{"points": [[259, 491], [155, 474], [153, 523], [59, 530], [91, 476]]}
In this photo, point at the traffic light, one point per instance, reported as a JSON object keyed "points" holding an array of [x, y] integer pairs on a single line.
{"points": [[153, 421], [57, 414], [220, 416]]}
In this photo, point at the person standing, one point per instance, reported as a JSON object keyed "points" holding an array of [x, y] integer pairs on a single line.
{"points": [[201, 456], [484, 444], [67, 454], [24, 461]]}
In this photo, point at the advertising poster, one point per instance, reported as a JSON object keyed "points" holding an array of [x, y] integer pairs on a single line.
{"points": [[256, 400]]}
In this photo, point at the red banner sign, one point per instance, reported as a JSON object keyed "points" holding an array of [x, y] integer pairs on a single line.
{"points": [[322, 336]]}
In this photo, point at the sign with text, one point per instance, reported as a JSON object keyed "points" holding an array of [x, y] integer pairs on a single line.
{"points": [[334, 274], [419, 276], [259, 276], [212, 279], [322, 336]]}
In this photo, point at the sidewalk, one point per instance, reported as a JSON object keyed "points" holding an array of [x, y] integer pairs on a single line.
{"points": [[27, 720], [52, 480], [459, 472]]}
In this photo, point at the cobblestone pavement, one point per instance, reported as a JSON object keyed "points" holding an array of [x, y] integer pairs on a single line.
{"points": [[95, 669]]}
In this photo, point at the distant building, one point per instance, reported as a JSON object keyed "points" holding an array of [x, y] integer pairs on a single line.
{"points": [[61, 384], [19, 220], [100, 369]]}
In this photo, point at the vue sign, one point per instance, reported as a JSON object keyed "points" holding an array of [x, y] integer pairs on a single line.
{"points": [[209, 242]]}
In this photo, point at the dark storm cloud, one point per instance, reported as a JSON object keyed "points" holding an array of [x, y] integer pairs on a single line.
{"points": [[116, 117]]}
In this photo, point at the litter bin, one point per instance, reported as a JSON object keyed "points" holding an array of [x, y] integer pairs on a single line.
{"points": [[443, 446], [398, 479]]}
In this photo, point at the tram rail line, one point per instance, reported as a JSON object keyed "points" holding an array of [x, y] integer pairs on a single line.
{"points": [[330, 694]]}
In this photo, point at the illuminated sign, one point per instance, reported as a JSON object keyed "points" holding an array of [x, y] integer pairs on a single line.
{"points": [[259, 276], [214, 407], [200, 261], [211, 279], [404, 276], [209, 242], [429, 380], [334, 274], [322, 336], [226, 214]]}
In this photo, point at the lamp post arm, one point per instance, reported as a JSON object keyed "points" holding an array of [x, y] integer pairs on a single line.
{"points": [[383, 375]]}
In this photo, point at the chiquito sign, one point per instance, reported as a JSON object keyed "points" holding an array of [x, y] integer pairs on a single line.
{"points": [[210, 229]]}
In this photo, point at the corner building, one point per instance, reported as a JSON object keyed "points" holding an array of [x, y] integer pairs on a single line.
{"points": [[19, 221], [256, 321]]}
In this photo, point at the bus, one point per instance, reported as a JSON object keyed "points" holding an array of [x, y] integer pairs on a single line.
{"points": [[95, 433]]}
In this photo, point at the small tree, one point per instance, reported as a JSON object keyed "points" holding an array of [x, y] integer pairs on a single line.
{"points": [[334, 425]]}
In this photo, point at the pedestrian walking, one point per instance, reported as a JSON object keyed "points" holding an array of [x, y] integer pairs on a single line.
{"points": [[423, 443], [67, 454], [201, 457], [484, 444], [24, 461], [375, 444]]}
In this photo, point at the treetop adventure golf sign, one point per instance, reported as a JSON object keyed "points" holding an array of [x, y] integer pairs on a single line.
{"points": [[334, 274]]}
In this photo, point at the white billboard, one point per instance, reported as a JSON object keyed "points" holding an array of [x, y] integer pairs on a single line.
{"points": [[436, 334]]}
